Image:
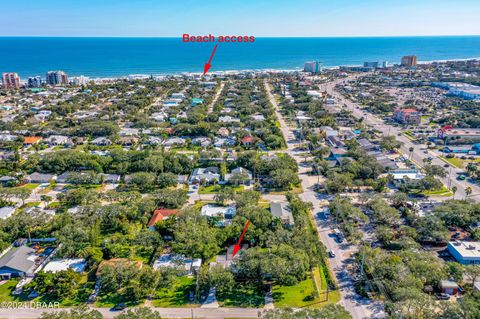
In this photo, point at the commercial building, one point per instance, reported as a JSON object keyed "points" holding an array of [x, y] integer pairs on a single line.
{"points": [[356, 68], [462, 90], [10, 80], [465, 252], [375, 65], [407, 116], [450, 133], [80, 80], [409, 61], [313, 67], [34, 82], [56, 78]]}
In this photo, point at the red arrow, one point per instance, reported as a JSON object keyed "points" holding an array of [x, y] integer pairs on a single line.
{"points": [[208, 64], [237, 247]]}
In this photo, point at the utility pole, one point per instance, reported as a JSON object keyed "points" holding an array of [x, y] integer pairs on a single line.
{"points": [[450, 178]]}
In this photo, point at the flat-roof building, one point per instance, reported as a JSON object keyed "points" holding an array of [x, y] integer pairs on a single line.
{"points": [[313, 67], [409, 61], [465, 252], [10, 80]]}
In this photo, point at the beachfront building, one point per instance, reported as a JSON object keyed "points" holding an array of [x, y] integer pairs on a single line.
{"points": [[34, 82], [10, 80], [56, 78], [409, 61], [375, 64], [313, 67]]}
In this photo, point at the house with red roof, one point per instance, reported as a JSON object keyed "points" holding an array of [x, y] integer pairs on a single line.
{"points": [[159, 215], [247, 140], [29, 140]]}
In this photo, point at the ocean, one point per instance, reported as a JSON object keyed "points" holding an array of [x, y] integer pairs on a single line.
{"points": [[115, 57]]}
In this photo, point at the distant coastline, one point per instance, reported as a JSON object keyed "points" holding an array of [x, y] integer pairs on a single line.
{"points": [[120, 57]]}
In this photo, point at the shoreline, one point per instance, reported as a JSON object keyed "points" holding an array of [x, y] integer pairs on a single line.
{"points": [[227, 72]]}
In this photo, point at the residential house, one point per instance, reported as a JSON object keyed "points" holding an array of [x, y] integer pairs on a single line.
{"points": [[18, 262], [188, 266], [196, 101], [282, 211], [159, 215], [228, 119], [6, 180], [240, 172], [248, 140], [208, 175], [175, 141], [29, 140], [40, 178], [55, 140], [448, 287], [220, 142], [101, 141], [257, 117], [223, 131], [111, 178], [224, 214], [6, 212], [201, 141], [337, 152], [366, 145], [159, 116], [406, 177]]}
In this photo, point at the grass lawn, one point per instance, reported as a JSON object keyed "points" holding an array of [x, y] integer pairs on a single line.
{"points": [[6, 291], [213, 189], [458, 162], [7, 288], [444, 191], [455, 161], [30, 204], [30, 186], [177, 295], [96, 187], [295, 190], [409, 136], [243, 295], [304, 294]]}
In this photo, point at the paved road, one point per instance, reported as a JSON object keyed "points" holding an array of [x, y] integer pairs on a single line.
{"points": [[215, 98], [359, 308], [219, 313], [419, 149]]}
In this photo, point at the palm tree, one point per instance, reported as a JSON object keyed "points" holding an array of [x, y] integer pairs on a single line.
{"points": [[454, 190], [468, 192], [411, 149]]}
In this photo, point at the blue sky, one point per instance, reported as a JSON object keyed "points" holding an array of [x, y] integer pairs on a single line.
{"points": [[160, 18]]}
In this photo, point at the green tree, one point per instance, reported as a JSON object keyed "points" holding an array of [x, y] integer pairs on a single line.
{"points": [[139, 313], [78, 313]]}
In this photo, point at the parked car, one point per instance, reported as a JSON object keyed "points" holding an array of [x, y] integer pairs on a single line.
{"points": [[442, 296], [331, 254], [119, 306]]}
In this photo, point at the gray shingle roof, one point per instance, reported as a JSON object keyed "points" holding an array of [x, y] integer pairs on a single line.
{"points": [[20, 259]]}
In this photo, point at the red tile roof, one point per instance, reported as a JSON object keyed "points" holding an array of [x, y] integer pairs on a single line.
{"points": [[31, 139], [247, 139], [159, 215]]}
